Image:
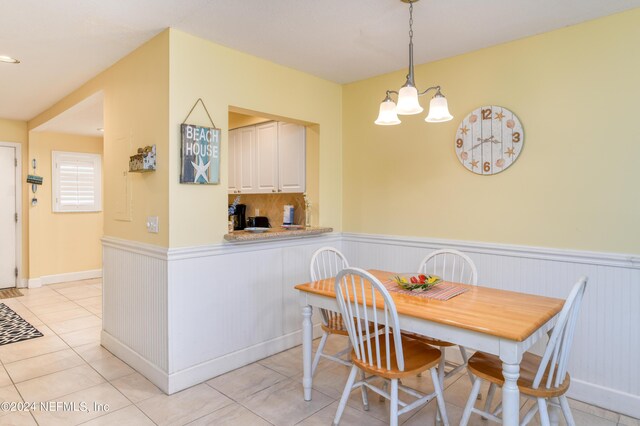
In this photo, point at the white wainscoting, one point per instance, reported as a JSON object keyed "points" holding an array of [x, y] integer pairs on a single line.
{"points": [[604, 368], [182, 316]]}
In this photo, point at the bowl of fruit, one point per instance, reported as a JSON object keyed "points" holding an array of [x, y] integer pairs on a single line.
{"points": [[416, 282]]}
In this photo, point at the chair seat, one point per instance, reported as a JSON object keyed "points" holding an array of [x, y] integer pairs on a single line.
{"points": [[427, 340], [489, 367], [418, 357], [336, 326]]}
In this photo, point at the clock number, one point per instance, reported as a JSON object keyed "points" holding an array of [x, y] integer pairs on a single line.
{"points": [[487, 166], [459, 143], [486, 114], [516, 137]]}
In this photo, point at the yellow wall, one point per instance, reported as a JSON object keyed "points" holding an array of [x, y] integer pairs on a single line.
{"points": [[16, 131], [575, 184], [237, 120], [136, 114], [222, 78], [61, 242]]}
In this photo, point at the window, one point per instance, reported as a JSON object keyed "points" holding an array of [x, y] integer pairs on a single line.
{"points": [[77, 182]]}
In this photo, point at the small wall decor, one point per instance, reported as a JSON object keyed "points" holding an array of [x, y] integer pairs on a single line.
{"points": [[200, 154], [34, 180], [144, 160], [489, 140]]}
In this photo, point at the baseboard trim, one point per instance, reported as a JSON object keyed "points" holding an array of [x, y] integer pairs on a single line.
{"points": [[151, 371], [68, 276], [607, 398], [621, 260], [34, 283], [215, 367]]}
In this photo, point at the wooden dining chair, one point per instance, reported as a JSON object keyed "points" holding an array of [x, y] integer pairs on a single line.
{"points": [[380, 351], [326, 262], [542, 378], [454, 266]]}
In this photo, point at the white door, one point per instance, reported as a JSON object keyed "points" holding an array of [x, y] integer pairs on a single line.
{"points": [[7, 217], [267, 157], [291, 157]]}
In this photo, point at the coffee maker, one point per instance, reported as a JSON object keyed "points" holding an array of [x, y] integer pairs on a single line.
{"points": [[241, 222]]}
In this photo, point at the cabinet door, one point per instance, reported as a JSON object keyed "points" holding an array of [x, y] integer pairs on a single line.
{"points": [[232, 164], [291, 157], [245, 153], [267, 157]]}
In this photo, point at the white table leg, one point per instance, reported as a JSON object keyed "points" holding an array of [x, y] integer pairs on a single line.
{"points": [[307, 346], [510, 395]]}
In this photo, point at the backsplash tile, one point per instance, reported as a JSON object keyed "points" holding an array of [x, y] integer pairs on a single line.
{"points": [[272, 206]]}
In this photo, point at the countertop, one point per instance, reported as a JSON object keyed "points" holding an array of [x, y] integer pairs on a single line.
{"points": [[275, 233]]}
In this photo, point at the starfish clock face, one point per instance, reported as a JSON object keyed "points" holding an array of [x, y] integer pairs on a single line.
{"points": [[489, 140]]}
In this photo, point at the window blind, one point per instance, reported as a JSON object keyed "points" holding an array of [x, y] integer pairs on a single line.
{"points": [[77, 182]]}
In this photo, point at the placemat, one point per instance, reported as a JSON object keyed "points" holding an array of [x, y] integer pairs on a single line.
{"points": [[442, 291]]}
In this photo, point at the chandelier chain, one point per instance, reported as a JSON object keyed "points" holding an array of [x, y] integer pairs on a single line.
{"points": [[411, 22]]}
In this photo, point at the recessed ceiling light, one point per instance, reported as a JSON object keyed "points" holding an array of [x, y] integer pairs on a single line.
{"points": [[9, 59], [100, 129]]}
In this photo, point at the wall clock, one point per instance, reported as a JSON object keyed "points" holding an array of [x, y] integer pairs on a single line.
{"points": [[489, 140]]}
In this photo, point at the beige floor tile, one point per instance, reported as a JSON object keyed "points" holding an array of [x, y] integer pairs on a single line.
{"points": [[129, 416], [92, 351], [68, 284], [378, 409], [350, 417], [94, 302], [245, 381], [75, 324], [287, 363], [231, 415], [5, 380], [98, 401], [82, 337], [30, 348], [592, 409], [330, 380], [96, 312], [9, 394], [41, 310], [58, 384], [136, 387], [580, 417], [628, 421], [42, 365], [18, 418], [283, 404], [57, 316], [84, 292], [427, 416], [185, 406], [111, 368], [41, 302]]}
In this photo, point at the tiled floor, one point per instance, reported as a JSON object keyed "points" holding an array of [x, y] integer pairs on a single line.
{"points": [[69, 365]]}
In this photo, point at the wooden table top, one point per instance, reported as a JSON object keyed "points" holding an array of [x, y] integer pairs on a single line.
{"points": [[501, 313]]}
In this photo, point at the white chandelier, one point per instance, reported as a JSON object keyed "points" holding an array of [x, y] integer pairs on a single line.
{"points": [[408, 103]]}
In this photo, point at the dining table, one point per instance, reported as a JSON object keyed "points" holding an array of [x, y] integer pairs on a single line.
{"points": [[500, 322]]}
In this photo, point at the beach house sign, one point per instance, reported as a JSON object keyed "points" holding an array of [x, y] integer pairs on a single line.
{"points": [[200, 154]]}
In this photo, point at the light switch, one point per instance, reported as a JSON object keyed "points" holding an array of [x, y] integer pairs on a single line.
{"points": [[152, 224]]}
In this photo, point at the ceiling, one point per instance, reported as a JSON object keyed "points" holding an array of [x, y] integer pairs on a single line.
{"points": [[64, 43]]}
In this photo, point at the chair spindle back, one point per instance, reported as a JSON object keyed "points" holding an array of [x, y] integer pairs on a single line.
{"points": [[556, 355], [353, 287], [450, 265], [326, 262]]}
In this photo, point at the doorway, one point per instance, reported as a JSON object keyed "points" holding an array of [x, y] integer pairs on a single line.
{"points": [[9, 214]]}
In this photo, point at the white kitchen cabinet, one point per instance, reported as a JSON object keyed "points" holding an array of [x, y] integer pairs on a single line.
{"points": [[267, 158], [232, 163], [291, 157]]}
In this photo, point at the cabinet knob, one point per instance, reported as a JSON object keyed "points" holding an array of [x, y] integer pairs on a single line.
{"points": [[279, 190], [273, 190]]}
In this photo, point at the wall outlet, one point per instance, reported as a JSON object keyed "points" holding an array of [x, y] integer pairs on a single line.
{"points": [[152, 224], [257, 212]]}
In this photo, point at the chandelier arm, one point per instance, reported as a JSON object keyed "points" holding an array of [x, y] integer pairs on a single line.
{"points": [[437, 88]]}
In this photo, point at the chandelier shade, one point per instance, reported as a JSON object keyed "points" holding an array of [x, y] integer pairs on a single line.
{"points": [[407, 96]]}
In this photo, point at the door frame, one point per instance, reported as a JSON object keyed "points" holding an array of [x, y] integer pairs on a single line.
{"points": [[18, 148]]}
